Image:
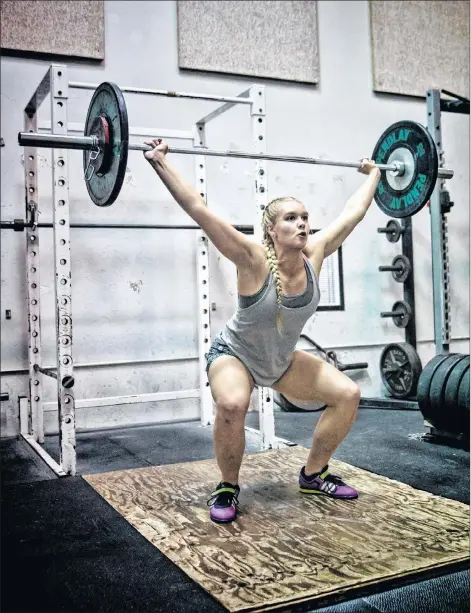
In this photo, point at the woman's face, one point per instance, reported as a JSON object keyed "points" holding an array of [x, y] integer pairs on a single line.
{"points": [[291, 228]]}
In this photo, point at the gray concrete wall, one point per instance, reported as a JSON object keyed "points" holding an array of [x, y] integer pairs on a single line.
{"points": [[134, 292]]}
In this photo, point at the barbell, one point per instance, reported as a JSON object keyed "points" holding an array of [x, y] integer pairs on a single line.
{"points": [[405, 153]]}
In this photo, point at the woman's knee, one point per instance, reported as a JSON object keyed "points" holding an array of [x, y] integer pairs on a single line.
{"points": [[232, 408], [350, 394]]}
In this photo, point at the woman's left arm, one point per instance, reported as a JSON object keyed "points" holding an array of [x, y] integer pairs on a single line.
{"points": [[330, 238]]}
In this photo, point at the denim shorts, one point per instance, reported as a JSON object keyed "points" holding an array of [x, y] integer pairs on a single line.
{"points": [[218, 347]]}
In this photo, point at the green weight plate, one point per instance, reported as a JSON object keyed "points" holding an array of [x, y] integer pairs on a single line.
{"points": [[104, 176], [400, 368], [425, 379], [410, 143], [439, 416], [453, 384]]}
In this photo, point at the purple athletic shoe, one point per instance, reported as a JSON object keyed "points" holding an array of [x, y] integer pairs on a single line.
{"points": [[223, 502], [325, 483]]}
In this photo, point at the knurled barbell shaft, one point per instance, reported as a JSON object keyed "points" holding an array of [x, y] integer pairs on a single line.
{"points": [[88, 143]]}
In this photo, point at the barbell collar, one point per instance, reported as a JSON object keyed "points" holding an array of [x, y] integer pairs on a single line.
{"points": [[87, 143]]}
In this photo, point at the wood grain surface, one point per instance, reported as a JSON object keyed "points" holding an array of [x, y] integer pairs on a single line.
{"points": [[284, 547]]}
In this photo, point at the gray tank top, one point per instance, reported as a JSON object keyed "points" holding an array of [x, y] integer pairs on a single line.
{"points": [[251, 333]]}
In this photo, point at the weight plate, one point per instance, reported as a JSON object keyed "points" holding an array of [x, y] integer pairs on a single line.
{"points": [[423, 386], [463, 396], [439, 416], [401, 275], [107, 117], [459, 418], [395, 231], [450, 398], [400, 369], [404, 196], [402, 320]]}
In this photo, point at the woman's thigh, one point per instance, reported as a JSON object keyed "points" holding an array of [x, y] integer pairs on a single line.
{"points": [[310, 378], [230, 381]]}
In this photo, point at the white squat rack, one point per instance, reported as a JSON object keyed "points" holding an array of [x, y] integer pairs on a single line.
{"points": [[31, 408]]}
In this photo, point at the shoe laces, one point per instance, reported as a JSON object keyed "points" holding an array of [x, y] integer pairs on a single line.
{"points": [[224, 495], [333, 479]]}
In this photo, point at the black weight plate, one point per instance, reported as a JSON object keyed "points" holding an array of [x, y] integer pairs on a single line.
{"points": [[396, 233], [415, 138], [423, 386], [402, 321], [108, 102], [439, 417], [450, 398], [402, 275], [459, 416], [463, 395], [400, 369]]}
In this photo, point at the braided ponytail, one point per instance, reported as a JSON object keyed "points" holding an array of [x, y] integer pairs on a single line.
{"points": [[269, 218]]}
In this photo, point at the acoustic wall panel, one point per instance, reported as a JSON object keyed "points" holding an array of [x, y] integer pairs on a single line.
{"points": [[60, 28], [419, 45], [266, 38]]}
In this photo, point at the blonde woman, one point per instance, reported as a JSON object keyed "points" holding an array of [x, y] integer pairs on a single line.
{"points": [[278, 291]]}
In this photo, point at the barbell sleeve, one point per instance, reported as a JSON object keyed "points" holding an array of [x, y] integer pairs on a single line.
{"points": [[57, 141]]}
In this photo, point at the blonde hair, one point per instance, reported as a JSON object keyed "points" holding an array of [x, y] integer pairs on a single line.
{"points": [[269, 218]]}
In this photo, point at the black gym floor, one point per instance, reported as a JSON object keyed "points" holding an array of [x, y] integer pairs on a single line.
{"points": [[65, 549]]}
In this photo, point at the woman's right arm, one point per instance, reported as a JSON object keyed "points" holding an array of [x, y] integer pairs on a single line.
{"points": [[230, 242]]}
